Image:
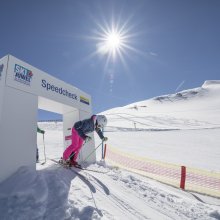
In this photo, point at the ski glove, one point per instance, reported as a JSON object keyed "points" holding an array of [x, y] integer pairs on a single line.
{"points": [[40, 131], [104, 139], [88, 139]]}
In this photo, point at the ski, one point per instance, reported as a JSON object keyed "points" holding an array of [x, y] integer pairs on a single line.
{"points": [[82, 177], [76, 167]]}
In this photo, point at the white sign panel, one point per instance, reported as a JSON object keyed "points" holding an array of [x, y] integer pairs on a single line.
{"points": [[27, 78], [3, 66], [1, 69]]}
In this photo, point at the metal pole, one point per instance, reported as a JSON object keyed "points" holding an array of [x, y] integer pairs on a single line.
{"points": [[45, 158], [92, 152], [102, 145]]}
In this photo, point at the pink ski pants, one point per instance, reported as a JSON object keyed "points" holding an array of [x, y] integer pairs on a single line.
{"points": [[76, 145]]}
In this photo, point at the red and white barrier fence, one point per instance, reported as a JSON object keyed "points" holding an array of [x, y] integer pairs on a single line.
{"points": [[201, 181]]}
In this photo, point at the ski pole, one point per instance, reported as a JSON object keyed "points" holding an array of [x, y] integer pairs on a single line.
{"points": [[102, 145], [92, 152], [45, 158]]}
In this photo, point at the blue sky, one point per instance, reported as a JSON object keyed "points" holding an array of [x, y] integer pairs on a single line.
{"points": [[169, 45]]}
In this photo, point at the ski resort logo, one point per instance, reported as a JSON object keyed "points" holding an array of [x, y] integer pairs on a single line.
{"points": [[22, 74], [84, 100], [1, 70]]}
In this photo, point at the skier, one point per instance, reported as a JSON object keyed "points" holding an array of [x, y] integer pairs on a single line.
{"points": [[79, 131], [37, 153]]}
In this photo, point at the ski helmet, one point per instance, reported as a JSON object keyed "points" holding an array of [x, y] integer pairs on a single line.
{"points": [[101, 120]]}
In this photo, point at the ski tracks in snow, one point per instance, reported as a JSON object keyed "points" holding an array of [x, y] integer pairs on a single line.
{"points": [[120, 199], [120, 196]]}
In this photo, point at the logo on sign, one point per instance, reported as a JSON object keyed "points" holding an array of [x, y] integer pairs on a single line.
{"points": [[1, 70], [22, 74], [84, 100]]}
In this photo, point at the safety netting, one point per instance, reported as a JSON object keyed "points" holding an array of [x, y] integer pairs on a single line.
{"points": [[187, 178]]}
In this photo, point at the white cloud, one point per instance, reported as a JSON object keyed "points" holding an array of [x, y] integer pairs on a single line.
{"points": [[153, 54]]}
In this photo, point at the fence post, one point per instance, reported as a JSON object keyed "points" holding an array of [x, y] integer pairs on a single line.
{"points": [[183, 177]]}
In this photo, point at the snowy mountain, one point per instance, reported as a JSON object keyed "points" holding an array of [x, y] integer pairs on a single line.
{"points": [[189, 109], [172, 127], [181, 128]]}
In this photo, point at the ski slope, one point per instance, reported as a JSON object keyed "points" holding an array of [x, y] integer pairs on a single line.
{"points": [[179, 128], [182, 128]]}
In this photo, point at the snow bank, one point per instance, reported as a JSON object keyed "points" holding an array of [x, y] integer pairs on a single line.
{"points": [[57, 193], [39, 195], [23, 195]]}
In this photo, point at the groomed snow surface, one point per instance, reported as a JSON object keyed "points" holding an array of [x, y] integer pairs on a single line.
{"points": [[181, 128]]}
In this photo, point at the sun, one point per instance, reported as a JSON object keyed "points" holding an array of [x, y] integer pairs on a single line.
{"points": [[113, 41]]}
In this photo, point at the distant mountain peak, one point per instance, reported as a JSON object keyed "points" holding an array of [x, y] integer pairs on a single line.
{"points": [[190, 93], [182, 95], [209, 83]]}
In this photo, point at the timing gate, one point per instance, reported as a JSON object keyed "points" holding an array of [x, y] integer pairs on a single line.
{"points": [[23, 90]]}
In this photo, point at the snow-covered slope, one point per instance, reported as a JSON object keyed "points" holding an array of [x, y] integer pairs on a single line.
{"points": [[180, 128], [58, 193], [189, 109]]}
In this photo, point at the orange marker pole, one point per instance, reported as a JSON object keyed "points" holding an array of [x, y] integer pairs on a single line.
{"points": [[183, 177], [105, 150]]}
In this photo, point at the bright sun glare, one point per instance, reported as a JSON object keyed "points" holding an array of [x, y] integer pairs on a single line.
{"points": [[113, 41]]}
